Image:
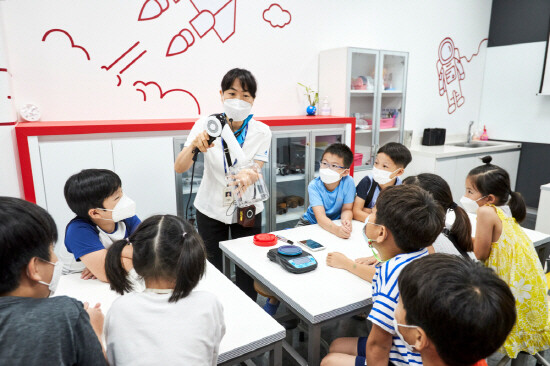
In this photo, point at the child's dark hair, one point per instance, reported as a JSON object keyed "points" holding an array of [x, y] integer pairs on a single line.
{"points": [[89, 188], [164, 246], [397, 152], [465, 309], [412, 216], [342, 151], [461, 231], [491, 179], [26, 231], [248, 82]]}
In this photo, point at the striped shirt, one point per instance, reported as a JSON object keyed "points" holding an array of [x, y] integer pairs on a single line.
{"points": [[385, 293]]}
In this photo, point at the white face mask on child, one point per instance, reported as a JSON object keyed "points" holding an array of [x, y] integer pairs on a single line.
{"points": [[381, 176], [125, 208], [329, 176], [469, 204], [56, 275], [396, 327]]}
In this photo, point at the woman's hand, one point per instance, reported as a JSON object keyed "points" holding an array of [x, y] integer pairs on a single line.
{"points": [[201, 142], [244, 179]]}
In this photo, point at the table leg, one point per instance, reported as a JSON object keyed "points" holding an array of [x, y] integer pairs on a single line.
{"points": [[314, 345], [276, 355], [226, 266]]}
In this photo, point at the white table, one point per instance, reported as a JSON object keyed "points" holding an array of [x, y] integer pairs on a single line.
{"points": [[250, 331], [318, 297]]}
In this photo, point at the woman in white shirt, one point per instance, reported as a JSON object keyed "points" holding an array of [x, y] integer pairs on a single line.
{"points": [[216, 215], [169, 323], [456, 236]]}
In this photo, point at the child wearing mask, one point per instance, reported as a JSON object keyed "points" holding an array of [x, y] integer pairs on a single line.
{"points": [[104, 214], [390, 163], [456, 237], [169, 323], [406, 219], [35, 328], [503, 246], [331, 194], [442, 295]]}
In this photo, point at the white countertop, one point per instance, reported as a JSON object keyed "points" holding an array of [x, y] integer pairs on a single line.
{"points": [[449, 150], [545, 187]]}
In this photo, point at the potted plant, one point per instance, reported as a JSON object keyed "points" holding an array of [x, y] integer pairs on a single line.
{"points": [[313, 98]]}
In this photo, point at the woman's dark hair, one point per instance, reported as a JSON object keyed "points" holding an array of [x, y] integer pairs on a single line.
{"points": [[26, 231], [466, 310], [89, 188], [164, 247], [342, 151], [412, 216], [248, 82], [491, 179], [461, 231]]}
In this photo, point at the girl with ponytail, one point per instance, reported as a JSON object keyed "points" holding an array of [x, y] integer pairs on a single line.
{"points": [[456, 236], [169, 322], [503, 246]]}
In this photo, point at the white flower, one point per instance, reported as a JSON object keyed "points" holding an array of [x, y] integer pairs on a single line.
{"points": [[521, 290]]}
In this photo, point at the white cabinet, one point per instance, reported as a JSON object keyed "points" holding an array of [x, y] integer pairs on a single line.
{"points": [[145, 166], [455, 169], [371, 86]]}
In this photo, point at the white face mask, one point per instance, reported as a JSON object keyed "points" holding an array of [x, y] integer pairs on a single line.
{"points": [[56, 275], [236, 109], [124, 209], [396, 327], [329, 176], [381, 176], [469, 204]]}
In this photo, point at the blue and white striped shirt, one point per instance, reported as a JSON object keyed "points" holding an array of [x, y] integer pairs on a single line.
{"points": [[385, 293]]}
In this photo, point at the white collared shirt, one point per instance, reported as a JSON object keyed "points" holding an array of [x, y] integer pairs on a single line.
{"points": [[209, 199]]}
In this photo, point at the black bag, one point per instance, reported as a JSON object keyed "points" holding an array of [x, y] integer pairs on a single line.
{"points": [[433, 136]]}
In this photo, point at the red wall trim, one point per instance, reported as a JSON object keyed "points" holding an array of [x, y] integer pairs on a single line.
{"points": [[25, 130]]}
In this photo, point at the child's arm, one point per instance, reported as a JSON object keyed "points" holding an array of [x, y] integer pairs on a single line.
{"points": [[347, 215], [360, 212], [95, 262], [339, 260], [484, 232], [378, 346], [328, 225]]}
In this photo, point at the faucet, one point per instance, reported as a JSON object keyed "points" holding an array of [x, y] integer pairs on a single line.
{"points": [[469, 138]]}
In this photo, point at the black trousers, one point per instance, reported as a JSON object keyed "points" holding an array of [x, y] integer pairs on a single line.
{"points": [[213, 231]]}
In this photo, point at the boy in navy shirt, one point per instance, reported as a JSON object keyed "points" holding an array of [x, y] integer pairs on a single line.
{"points": [[103, 215], [405, 220], [331, 194], [390, 163]]}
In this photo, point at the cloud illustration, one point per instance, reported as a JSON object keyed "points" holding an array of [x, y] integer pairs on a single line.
{"points": [[276, 16]]}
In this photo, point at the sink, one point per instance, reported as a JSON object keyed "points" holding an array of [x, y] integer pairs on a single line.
{"points": [[475, 144]]}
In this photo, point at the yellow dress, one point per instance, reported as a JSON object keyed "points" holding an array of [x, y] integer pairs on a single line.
{"points": [[515, 260]]}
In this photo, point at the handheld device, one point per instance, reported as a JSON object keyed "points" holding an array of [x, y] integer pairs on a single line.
{"points": [[312, 244], [293, 259]]}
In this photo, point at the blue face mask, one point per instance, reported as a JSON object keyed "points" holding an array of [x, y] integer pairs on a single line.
{"points": [[370, 241]]}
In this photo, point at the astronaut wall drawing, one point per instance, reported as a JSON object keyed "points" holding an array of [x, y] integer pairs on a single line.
{"points": [[450, 72]]}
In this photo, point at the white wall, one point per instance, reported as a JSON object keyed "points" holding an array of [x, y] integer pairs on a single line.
{"points": [[510, 106], [66, 86]]}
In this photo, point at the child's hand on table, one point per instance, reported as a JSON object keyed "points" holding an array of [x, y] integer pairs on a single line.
{"points": [[337, 260], [366, 260]]}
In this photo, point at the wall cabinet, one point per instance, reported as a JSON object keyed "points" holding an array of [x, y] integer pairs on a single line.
{"points": [[369, 85]]}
